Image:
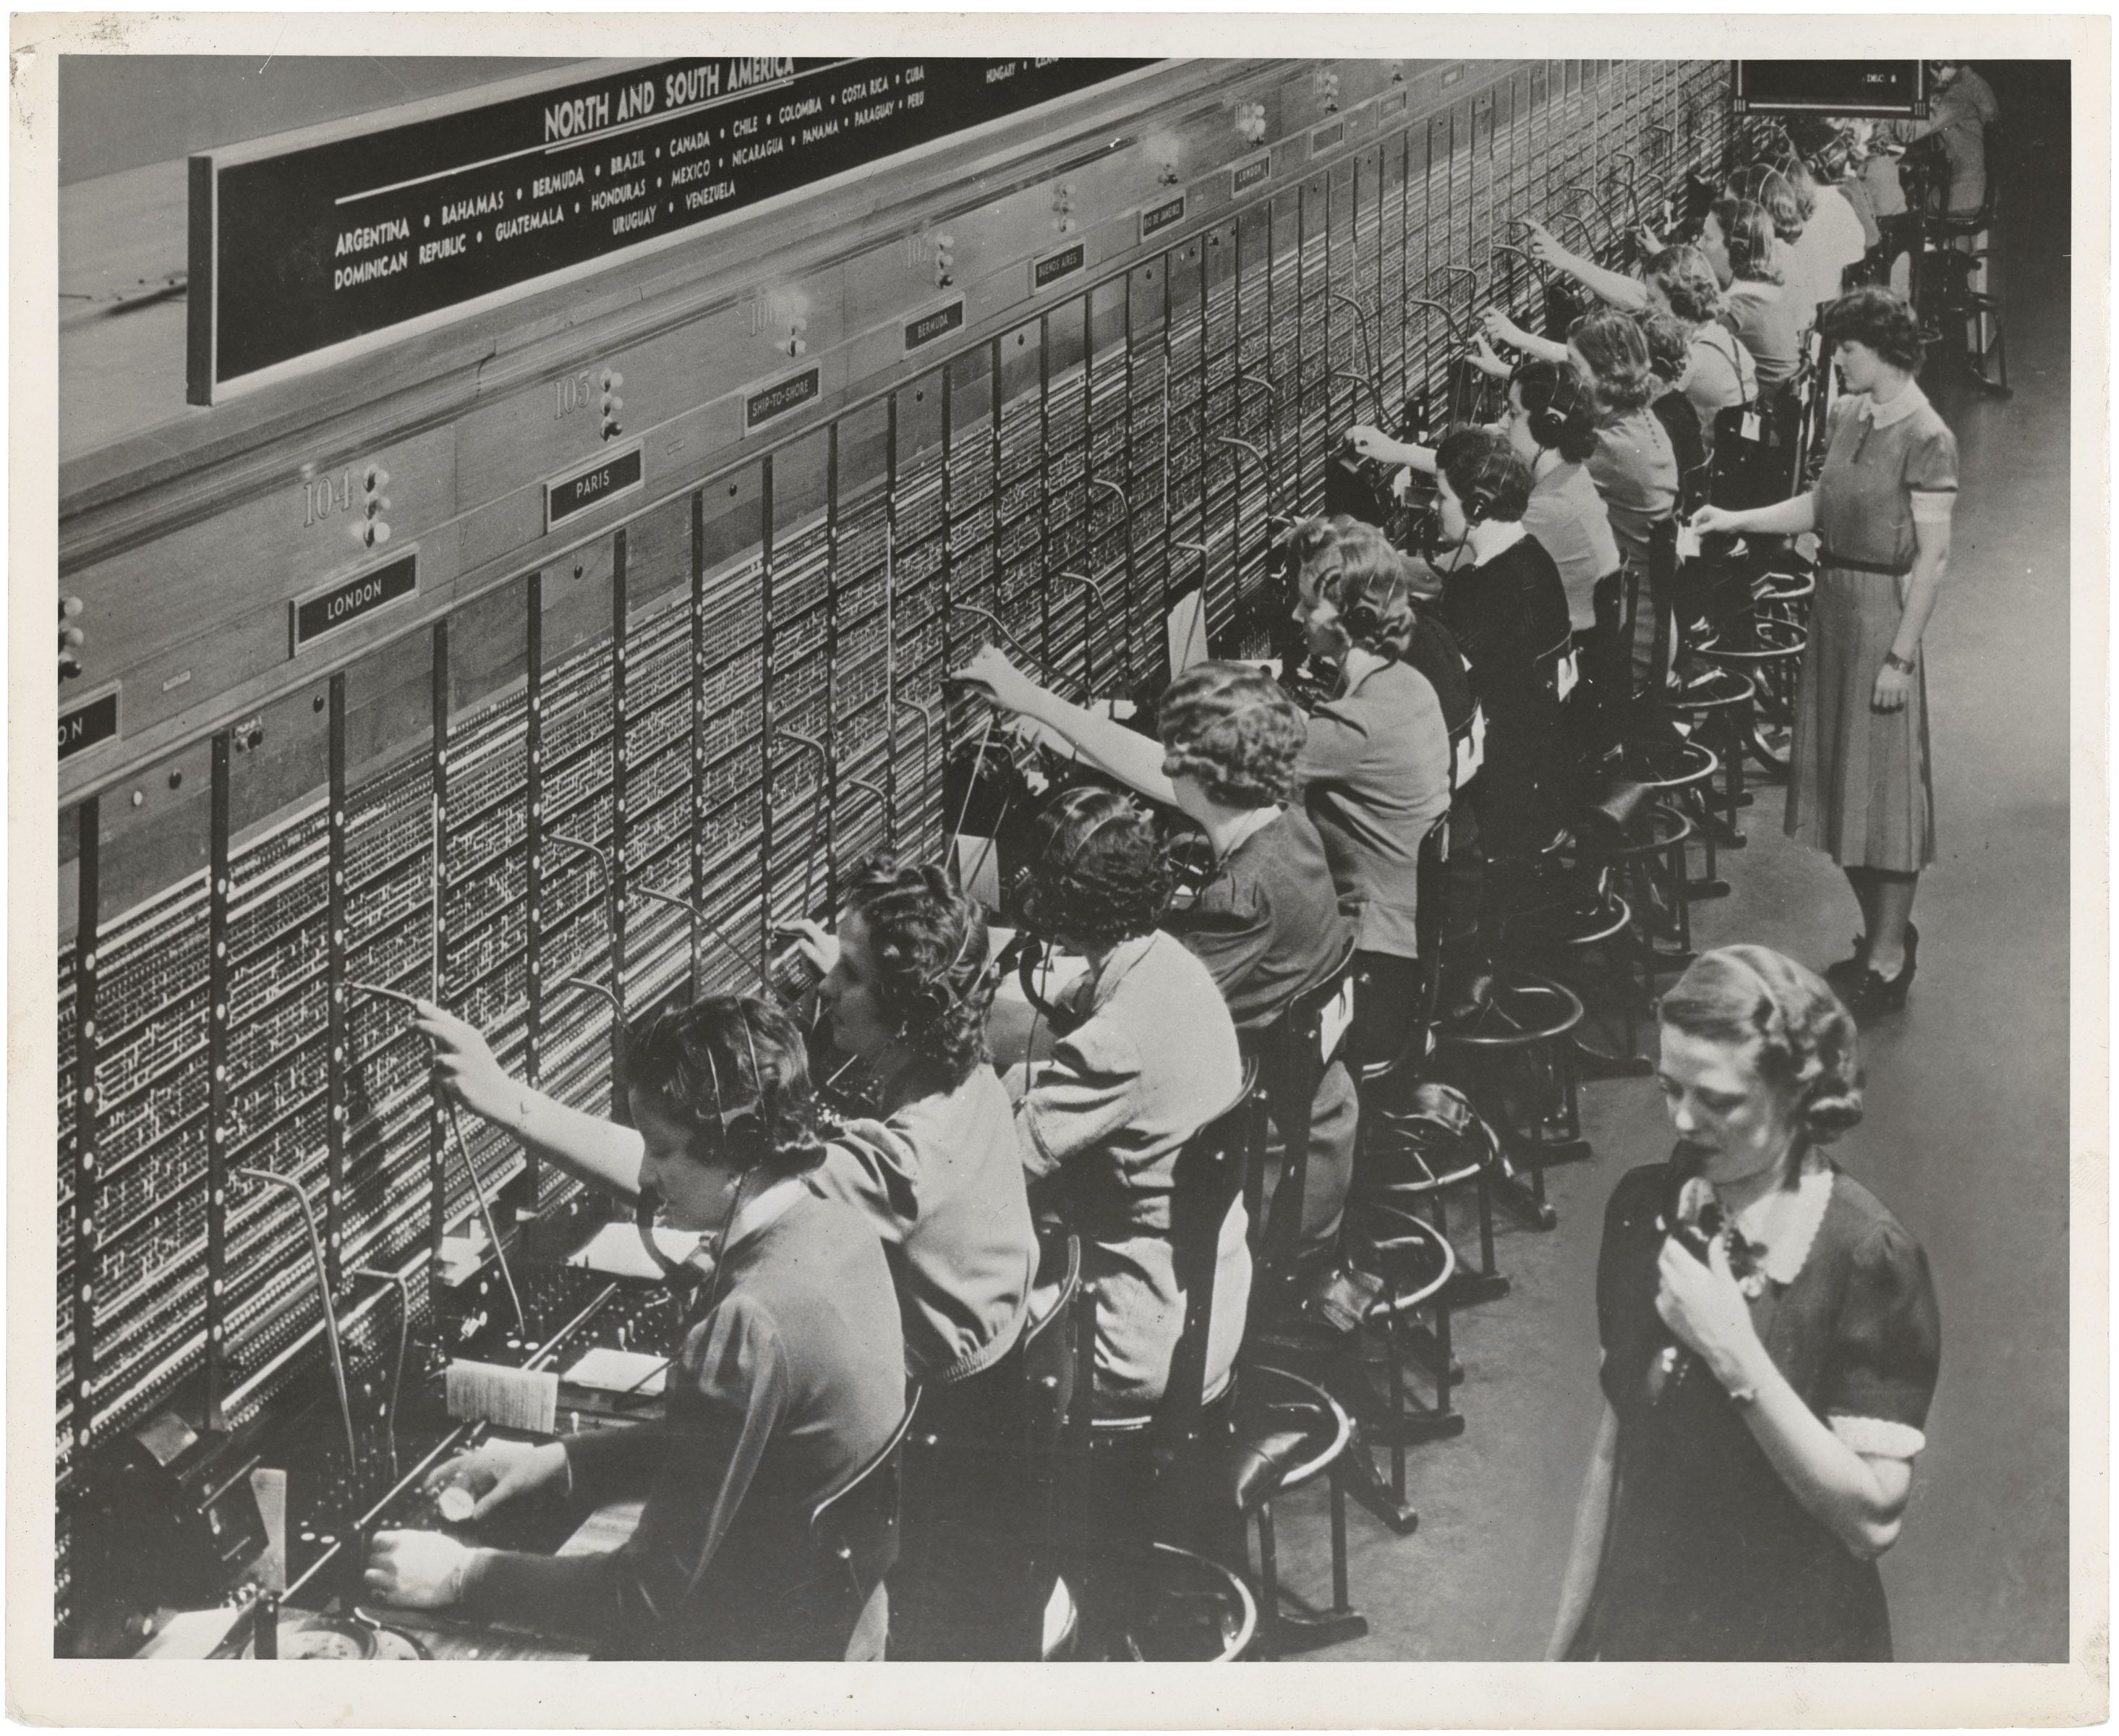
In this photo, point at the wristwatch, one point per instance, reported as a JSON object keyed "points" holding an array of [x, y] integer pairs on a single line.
{"points": [[1891, 660]]}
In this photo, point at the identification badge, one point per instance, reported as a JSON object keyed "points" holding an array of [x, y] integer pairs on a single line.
{"points": [[1470, 752], [1332, 1028], [1567, 676], [1752, 426]]}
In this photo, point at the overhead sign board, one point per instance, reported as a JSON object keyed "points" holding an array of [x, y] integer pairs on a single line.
{"points": [[304, 245], [1882, 88]]}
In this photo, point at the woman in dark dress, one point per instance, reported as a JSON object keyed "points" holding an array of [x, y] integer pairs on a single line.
{"points": [[1764, 1404], [1503, 602]]}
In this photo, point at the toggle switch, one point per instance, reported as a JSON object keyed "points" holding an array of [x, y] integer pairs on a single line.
{"points": [[945, 261], [1062, 207]]}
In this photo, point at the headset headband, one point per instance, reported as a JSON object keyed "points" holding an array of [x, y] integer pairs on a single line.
{"points": [[1075, 800], [728, 1118]]}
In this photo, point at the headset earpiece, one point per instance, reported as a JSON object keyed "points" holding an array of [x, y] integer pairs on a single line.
{"points": [[1548, 424]]}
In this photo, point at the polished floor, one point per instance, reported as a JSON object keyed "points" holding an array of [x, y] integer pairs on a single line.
{"points": [[1966, 1136]]}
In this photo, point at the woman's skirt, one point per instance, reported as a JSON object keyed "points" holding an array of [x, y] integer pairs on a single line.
{"points": [[1859, 784]]}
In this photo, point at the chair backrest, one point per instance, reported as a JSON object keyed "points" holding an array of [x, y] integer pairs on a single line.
{"points": [[1293, 1054], [1558, 672], [1209, 1180], [1046, 1359], [853, 1531]]}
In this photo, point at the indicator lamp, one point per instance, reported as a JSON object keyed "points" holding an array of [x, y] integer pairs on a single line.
{"points": [[612, 404], [72, 637], [372, 531]]}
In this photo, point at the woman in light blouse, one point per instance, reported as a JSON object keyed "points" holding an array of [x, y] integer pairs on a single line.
{"points": [[1860, 785]]}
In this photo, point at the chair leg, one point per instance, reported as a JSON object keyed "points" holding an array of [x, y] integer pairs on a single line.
{"points": [[1341, 1591], [1467, 1289], [1368, 1488], [1397, 1410], [1299, 1629], [1268, 1635], [1448, 1361]]}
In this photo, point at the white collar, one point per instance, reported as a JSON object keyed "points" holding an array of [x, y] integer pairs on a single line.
{"points": [[1785, 1222], [1910, 399], [1756, 291], [1491, 537]]}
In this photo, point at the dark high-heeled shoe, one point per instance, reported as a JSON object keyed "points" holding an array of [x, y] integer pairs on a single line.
{"points": [[1846, 975], [1875, 995]]}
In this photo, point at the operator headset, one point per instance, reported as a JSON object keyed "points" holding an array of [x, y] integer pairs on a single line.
{"points": [[1548, 425], [741, 1126], [1479, 500], [1033, 953]]}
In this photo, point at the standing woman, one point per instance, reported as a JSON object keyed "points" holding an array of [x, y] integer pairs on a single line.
{"points": [[1764, 1404], [1859, 784]]}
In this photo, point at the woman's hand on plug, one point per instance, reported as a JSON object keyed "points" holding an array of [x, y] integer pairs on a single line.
{"points": [[1001, 681]]}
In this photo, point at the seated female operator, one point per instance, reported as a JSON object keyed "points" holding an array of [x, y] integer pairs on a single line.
{"points": [[1266, 924], [1146, 1057], [1503, 600], [1552, 424], [1633, 465], [907, 990], [1679, 281], [790, 1379]]}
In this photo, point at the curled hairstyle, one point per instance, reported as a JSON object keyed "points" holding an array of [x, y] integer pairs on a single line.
{"points": [[1688, 283], [928, 943], [1742, 995], [1355, 568], [1825, 148], [1099, 874], [1611, 342], [1234, 729], [1748, 233], [1762, 185], [706, 1070], [1556, 397], [1490, 482], [1872, 315], [1670, 345]]}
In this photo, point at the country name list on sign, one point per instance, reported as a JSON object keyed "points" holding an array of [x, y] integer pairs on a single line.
{"points": [[322, 245]]}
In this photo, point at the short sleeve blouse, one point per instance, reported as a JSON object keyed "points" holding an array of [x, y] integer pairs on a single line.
{"points": [[1856, 1332], [1883, 473]]}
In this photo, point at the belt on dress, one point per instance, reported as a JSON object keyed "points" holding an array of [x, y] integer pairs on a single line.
{"points": [[1826, 558]]}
